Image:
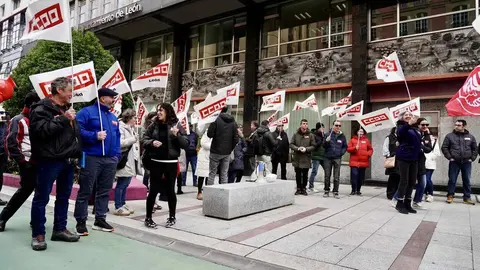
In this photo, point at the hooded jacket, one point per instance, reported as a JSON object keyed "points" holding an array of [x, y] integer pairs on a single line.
{"points": [[460, 146], [269, 141], [319, 152], [302, 139], [224, 134], [360, 158], [52, 135]]}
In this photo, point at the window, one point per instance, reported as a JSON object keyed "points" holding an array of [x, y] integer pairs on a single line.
{"points": [[421, 26], [217, 43], [18, 25], [151, 52], [16, 4], [2, 10], [5, 42], [303, 26], [82, 11], [460, 19], [107, 6], [94, 8]]}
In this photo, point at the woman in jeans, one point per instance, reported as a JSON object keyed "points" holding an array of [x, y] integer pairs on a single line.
{"points": [[360, 150], [406, 156], [128, 138], [426, 142], [162, 142], [431, 166]]}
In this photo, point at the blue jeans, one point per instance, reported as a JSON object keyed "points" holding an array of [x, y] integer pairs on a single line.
{"points": [[454, 168], [313, 174], [192, 160], [420, 188], [121, 191], [429, 186], [101, 172], [47, 173], [357, 178]]}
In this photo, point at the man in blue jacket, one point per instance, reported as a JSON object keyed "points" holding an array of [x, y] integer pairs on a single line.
{"points": [[335, 147], [101, 147]]}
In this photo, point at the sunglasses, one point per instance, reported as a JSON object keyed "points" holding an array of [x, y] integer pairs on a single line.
{"points": [[338, 125], [425, 125]]}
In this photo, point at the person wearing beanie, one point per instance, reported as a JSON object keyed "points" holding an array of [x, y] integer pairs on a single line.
{"points": [[18, 148], [102, 150]]}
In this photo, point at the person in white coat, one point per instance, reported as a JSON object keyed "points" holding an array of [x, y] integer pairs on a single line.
{"points": [[203, 164], [431, 166], [126, 168]]}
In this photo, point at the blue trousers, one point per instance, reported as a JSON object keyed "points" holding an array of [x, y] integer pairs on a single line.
{"points": [[121, 191], [357, 178], [454, 168], [193, 161], [420, 188]]}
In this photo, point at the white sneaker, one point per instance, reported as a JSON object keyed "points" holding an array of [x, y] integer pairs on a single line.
{"points": [[313, 190], [418, 205], [429, 198], [394, 202], [129, 209], [121, 212]]}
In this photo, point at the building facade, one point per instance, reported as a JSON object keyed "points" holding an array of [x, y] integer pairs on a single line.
{"points": [[321, 47]]}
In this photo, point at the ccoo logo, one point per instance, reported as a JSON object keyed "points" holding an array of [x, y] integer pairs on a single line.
{"points": [[81, 80], [159, 70], [375, 119], [46, 18], [115, 79], [212, 108]]}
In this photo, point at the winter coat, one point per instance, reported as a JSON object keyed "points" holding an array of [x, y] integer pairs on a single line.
{"points": [[431, 158], [282, 150], [409, 140], [224, 134], [360, 158], [203, 164], [192, 144], [238, 152], [460, 146], [269, 140], [128, 140], [174, 143], [319, 152], [389, 149], [336, 147], [307, 140], [426, 142], [17, 138]]}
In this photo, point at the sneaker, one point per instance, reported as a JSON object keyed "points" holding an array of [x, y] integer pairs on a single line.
{"points": [[336, 196], [352, 193], [359, 193], [468, 201], [326, 194], [2, 225], [64, 236], [2, 202], [157, 206], [394, 202], [200, 196], [429, 198], [39, 243], [299, 192], [129, 209], [304, 192], [170, 222], [102, 225], [179, 192], [81, 228], [450, 199], [418, 205], [121, 212], [149, 223]]}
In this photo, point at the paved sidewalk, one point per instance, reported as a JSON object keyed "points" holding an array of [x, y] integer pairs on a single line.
{"points": [[357, 232]]}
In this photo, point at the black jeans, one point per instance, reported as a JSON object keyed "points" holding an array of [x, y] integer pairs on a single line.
{"points": [[408, 178], [283, 167], [330, 164], [392, 185], [301, 176], [357, 177], [159, 183], [3, 166], [235, 174], [28, 182]]}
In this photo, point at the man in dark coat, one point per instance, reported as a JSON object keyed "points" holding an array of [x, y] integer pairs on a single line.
{"points": [[281, 152]]}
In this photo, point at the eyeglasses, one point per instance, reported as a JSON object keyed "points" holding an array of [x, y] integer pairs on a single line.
{"points": [[338, 125], [425, 125]]}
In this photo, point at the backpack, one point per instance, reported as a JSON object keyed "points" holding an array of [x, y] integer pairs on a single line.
{"points": [[259, 144]]}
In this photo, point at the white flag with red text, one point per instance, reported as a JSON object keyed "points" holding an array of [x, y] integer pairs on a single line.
{"points": [[209, 109], [299, 106], [377, 120], [339, 106], [155, 77], [115, 80], [284, 120], [412, 106], [48, 20], [274, 102], [351, 113], [141, 112], [272, 117], [85, 82], [117, 106], [182, 104], [389, 69], [311, 102], [183, 120], [233, 93]]}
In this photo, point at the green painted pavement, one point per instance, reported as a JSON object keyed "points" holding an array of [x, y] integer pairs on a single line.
{"points": [[97, 251]]}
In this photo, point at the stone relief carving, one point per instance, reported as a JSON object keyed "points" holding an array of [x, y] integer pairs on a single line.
{"points": [[437, 53], [155, 94], [325, 67], [209, 80]]}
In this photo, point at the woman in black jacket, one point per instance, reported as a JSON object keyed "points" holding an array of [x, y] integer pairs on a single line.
{"points": [[427, 147], [389, 148], [162, 142]]}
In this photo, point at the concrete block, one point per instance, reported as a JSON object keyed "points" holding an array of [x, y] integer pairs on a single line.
{"points": [[229, 201]]}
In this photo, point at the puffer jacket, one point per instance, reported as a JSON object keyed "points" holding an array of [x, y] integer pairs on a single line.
{"points": [[426, 142], [224, 134], [269, 140], [360, 158], [307, 140], [431, 158], [238, 153], [336, 147], [319, 152], [128, 139], [203, 163], [174, 142], [460, 146]]}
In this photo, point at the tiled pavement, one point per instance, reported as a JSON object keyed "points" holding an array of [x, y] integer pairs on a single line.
{"points": [[320, 233]]}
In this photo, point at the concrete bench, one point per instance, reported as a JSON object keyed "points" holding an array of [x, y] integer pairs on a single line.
{"points": [[229, 201]]}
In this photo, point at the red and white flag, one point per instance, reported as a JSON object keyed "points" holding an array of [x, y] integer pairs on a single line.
{"points": [[117, 106], [115, 80], [272, 117], [182, 104], [141, 112], [155, 77], [339, 106], [284, 120], [389, 69], [299, 106], [48, 20], [377, 120], [466, 102], [233, 93], [85, 82], [183, 120], [194, 118], [412, 106], [311, 102], [274, 102], [351, 113], [209, 109]]}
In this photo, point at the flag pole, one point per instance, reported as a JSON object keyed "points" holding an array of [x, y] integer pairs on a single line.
{"points": [[164, 94], [408, 90]]}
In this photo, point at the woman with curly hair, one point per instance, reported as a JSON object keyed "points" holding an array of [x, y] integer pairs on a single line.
{"points": [[162, 142]]}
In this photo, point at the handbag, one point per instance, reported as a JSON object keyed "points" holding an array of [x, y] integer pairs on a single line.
{"points": [[389, 163], [123, 161]]}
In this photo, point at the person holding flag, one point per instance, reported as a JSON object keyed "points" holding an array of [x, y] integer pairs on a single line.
{"points": [[335, 147], [102, 152], [360, 150]]}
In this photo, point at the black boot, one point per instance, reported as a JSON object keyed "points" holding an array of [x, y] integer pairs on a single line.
{"points": [[408, 206], [2, 225], [401, 207]]}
